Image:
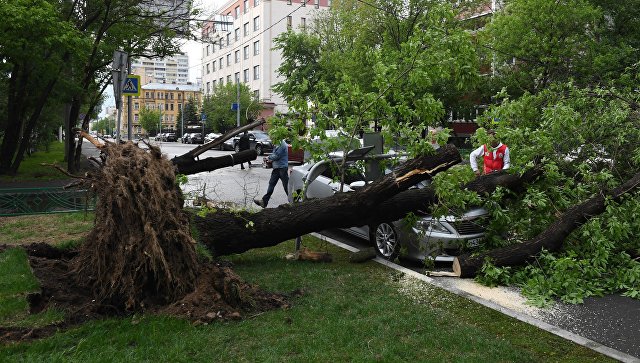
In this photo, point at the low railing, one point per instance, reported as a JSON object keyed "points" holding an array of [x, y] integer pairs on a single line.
{"points": [[25, 201]]}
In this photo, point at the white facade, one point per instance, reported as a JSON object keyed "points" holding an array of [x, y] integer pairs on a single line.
{"points": [[240, 41], [170, 70]]}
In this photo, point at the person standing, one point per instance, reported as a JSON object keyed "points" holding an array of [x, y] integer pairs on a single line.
{"points": [[244, 144], [280, 161], [495, 156]]}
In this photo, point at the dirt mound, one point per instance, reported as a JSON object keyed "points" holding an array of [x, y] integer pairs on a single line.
{"points": [[219, 294]]}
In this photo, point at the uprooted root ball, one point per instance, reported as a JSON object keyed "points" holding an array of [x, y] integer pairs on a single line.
{"points": [[140, 250]]}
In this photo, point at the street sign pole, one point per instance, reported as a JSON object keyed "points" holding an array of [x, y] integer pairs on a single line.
{"points": [[129, 104], [118, 72]]}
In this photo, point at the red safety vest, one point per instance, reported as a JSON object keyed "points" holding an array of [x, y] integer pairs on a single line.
{"points": [[491, 164]]}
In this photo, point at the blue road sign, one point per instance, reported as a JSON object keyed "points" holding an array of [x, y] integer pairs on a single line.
{"points": [[131, 86], [234, 106], [204, 116]]}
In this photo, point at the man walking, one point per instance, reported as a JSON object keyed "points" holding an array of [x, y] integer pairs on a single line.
{"points": [[244, 144], [280, 160]]}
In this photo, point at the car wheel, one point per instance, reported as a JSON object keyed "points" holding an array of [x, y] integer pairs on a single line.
{"points": [[237, 148], [259, 149], [385, 240]]}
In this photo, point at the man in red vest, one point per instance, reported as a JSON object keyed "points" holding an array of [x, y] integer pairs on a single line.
{"points": [[495, 156]]}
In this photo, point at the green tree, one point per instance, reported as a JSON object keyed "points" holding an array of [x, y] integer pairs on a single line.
{"points": [[105, 125], [217, 107], [150, 120], [74, 48], [385, 64]]}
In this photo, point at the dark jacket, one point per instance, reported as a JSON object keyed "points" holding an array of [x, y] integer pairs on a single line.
{"points": [[244, 143]]}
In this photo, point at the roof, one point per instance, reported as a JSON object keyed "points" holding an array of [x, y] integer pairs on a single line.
{"points": [[171, 87]]}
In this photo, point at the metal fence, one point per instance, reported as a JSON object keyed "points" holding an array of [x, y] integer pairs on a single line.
{"points": [[25, 201]]}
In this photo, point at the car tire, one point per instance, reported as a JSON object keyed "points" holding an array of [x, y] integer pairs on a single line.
{"points": [[259, 150], [384, 238], [237, 148]]}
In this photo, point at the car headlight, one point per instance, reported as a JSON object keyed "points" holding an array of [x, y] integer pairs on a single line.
{"points": [[428, 226]]}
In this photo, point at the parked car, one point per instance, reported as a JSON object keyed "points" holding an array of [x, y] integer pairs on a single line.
{"points": [[186, 137], [159, 136], [170, 136], [211, 136], [196, 138], [442, 237], [259, 140]]}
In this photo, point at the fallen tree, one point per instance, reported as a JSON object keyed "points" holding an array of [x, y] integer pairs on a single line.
{"points": [[550, 239], [387, 199]]}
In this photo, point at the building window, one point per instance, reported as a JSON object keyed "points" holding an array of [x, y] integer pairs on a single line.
{"points": [[179, 96], [171, 95], [229, 79], [256, 47], [245, 74], [288, 2], [256, 94], [208, 49], [303, 23], [246, 29], [245, 52], [213, 85], [136, 106], [256, 72], [228, 39], [208, 69], [237, 34], [208, 87], [289, 21], [237, 11], [237, 77], [213, 64], [256, 2], [171, 104], [221, 63], [237, 54], [228, 60], [303, 3], [317, 3], [256, 23], [246, 6], [221, 81]]}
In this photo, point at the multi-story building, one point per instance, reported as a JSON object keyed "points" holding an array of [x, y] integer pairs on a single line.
{"points": [[173, 69], [240, 41], [168, 98]]}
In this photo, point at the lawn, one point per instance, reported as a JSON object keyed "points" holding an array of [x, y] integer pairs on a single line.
{"points": [[346, 312], [31, 168]]}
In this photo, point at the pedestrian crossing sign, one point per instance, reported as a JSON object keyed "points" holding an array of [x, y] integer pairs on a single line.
{"points": [[131, 85]]}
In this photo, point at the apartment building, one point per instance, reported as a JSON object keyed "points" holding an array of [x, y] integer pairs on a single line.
{"points": [[173, 69], [239, 42], [168, 98]]}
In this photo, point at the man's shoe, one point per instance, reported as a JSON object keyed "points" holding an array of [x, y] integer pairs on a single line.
{"points": [[241, 167], [259, 202]]}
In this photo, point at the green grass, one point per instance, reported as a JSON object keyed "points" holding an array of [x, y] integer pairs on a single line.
{"points": [[59, 229], [347, 312], [30, 168]]}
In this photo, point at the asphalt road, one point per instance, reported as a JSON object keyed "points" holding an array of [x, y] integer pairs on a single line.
{"points": [[613, 321]]}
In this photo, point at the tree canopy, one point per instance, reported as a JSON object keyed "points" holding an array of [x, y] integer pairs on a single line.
{"points": [[217, 107], [562, 89]]}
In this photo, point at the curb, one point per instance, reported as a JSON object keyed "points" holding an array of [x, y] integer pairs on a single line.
{"points": [[588, 343]]}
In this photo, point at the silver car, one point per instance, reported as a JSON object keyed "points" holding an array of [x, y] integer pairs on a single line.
{"points": [[439, 238]]}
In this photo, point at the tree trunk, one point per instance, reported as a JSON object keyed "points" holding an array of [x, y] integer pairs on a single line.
{"points": [[551, 239], [387, 199], [187, 166]]}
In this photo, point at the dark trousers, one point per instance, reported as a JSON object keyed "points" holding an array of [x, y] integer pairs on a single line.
{"points": [[277, 174]]}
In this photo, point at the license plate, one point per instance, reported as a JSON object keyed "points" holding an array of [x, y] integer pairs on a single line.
{"points": [[474, 242]]}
